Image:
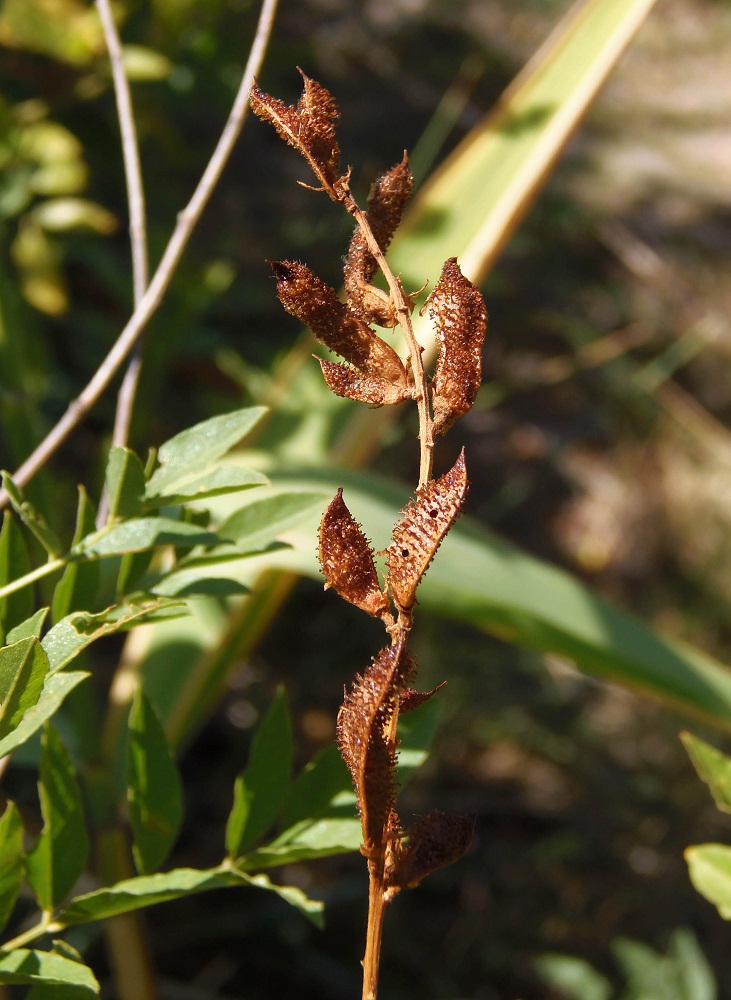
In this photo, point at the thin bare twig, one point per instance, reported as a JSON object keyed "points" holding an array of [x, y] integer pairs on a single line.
{"points": [[137, 226], [130, 152], [152, 297]]}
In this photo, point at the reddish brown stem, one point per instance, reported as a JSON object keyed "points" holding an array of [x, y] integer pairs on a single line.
{"points": [[426, 433], [374, 933]]}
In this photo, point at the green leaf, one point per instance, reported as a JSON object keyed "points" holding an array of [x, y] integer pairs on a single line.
{"points": [[256, 524], [691, 967], [59, 855], [713, 767], [682, 974], [142, 63], [125, 483], [12, 860], [23, 668], [79, 585], [323, 788], [260, 791], [132, 568], [142, 533], [24, 966], [153, 789], [75, 632], [30, 627], [710, 872], [189, 453], [14, 563], [49, 991], [55, 689], [573, 978], [309, 840], [61, 31], [31, 518], [148, 890], [216, 482], [198, 582]]}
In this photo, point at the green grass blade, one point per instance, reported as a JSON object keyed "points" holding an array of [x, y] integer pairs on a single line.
{"points": [[471, 205]]}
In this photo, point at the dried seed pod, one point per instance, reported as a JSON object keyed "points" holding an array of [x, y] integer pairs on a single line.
{"points": [[309, 127], [346, 558], [411, 699], [459, 315], [385, 208], [346, 381], [367, 747], [317, 305], [435, 841], [418, 534]]}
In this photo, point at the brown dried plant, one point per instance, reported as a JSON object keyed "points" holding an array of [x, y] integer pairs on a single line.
{"points": [[373, 372]]}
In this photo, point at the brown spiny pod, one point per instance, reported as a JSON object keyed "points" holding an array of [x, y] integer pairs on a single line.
{"points": [[385, 208], [366, 743], [309, 127], [411, 699], [419, 532], [434, 841], [314, 303], [458, 312], [346, 558], [350, 383]]}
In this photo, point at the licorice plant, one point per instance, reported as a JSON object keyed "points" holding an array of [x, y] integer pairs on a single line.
{"points": [[398, 857]]}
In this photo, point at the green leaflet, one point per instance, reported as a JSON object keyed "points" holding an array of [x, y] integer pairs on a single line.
{"points": [[212, 483], [147, 890], [681, 974], [14, 563], [713, 767], [24, 966], [260, 791], [32, 518], [192, 451], [125, 483], [23, 668], [254, 525], [55, 689], [59, 855], [12, 860], [141, 533], [79, 585], [67, 991], [574, 977], [153, 788], [709, 866], [76, 631], [32, 626]]}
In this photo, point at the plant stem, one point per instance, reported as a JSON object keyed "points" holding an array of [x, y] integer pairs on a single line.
{"points": [[426, 434], [374, 933], [152, 298], [44, 926], [35, 574]]}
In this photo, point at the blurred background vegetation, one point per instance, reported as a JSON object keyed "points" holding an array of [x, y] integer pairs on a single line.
{"points": [[599, 442]]}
